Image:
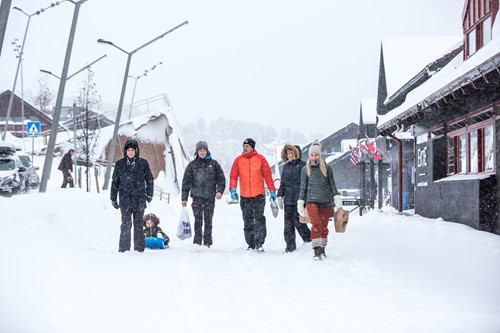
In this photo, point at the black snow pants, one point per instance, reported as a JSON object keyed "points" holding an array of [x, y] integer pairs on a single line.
{"points": [[292, 223], [125, 236], [203, 211], [254, 220]]}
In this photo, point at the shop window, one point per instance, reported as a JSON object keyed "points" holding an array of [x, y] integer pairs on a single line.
{"points": [[471, 148], [451, 156], [462, 154], [489, 155], [473, 153]]}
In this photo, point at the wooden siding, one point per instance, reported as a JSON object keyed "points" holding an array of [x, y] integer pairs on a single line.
{"points": [[475, 11]]}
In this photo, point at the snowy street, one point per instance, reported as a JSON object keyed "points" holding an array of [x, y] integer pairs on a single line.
{"points": [[61, 272]]}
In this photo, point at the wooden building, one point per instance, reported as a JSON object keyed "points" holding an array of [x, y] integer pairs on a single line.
{"points": [[454, 118], [15, 125]]}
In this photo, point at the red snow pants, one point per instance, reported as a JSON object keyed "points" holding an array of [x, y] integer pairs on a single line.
{"points": [[319, 220]]}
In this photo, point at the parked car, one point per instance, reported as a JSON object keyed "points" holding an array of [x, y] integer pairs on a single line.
{"points": [[30, 173], [12, 172]]}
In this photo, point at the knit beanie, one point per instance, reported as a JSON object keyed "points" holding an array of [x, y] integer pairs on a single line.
{"points": [[201, 145], [250, 142], [315, 148]]}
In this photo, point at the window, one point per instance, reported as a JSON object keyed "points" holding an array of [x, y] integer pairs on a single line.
{"points": [[471, 148], [489, 156], [486, 31], [451, 156], [462, 154], [471, 42], [473, 153]]}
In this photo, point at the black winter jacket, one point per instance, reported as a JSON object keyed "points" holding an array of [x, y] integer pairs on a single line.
{"points": [[203, 177], [290, 181], [132, 182], [66, 162]]}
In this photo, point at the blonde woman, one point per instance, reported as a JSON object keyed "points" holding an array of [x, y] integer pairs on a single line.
{"points": [[317, 194]]}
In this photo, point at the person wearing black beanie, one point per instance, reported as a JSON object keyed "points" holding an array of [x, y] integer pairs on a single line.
{"points": [[252, 170]]}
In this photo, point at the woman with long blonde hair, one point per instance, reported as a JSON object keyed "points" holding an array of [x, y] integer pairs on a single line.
{"points": [[318, 194]]}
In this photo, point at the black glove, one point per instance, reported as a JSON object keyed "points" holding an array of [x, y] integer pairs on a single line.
{"points": [[114, 204], [149, 199]]}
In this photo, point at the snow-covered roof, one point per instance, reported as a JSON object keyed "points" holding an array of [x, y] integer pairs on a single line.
{"points": [[369, 109], [405, 57], [448, 78]]}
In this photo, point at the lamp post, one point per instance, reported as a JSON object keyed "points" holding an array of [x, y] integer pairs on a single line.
{"points": [[74, 106], [122, 95], [38, 12], [17, 49], [4, 17], [135, 85], [47, 166]]}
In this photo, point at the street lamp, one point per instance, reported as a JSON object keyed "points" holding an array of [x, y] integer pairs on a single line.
{"points": [[38, 12], [74, 106], [17, 49], [47, 166], [122, 95], [146, 71]]}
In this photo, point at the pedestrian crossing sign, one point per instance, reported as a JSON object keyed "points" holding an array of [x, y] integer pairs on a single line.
{"points": [[33, 128]]}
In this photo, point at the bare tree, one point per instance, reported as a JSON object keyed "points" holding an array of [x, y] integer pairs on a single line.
{"points": [[43, 96], [88, 125]]}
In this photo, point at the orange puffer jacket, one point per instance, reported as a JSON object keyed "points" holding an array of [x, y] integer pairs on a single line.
{"points": [[253, 170]]}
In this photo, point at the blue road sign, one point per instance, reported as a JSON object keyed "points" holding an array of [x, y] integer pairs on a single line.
{"points": [[33, 128]]}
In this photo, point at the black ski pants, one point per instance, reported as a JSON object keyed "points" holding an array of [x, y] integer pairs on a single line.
{"points": [[125, 233], [292, 223], [254, 220], [203, 211]]}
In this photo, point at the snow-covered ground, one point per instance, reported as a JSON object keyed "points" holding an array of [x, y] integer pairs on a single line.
{"points": [[60, 272]]}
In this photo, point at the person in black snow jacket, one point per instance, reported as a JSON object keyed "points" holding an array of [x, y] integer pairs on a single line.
{"points": [[205, 180], [66, 166], [133, 184], [288, 194]]}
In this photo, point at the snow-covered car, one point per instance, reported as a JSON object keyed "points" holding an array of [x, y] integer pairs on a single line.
{"points": [[30, 173], [12, 178]]}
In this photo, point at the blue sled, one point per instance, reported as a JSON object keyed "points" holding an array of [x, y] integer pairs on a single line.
{"points": [[156, 243]]}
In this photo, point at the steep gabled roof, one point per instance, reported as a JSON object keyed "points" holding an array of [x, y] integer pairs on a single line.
{"points": [[405, 57], [369, 110], [449, 79]]}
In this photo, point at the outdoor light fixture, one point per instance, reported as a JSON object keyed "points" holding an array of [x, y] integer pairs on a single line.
{"points": [[122, 95], [21, 52]]}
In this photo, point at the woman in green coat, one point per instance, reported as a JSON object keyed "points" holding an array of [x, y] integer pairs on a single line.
{"points": [[318, 194]]}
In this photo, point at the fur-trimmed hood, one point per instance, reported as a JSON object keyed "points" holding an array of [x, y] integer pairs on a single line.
{"points": [[151, 217], [297, 153]]}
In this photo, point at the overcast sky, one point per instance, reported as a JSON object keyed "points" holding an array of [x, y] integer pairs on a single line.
{"points": [[305, 65]]}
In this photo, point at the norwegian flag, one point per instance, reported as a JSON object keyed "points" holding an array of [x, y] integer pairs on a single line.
{"points": [[373, 150], [354, 156]]}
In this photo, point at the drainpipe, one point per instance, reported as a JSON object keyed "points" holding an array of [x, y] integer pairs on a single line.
{"points": [[400, 171]]}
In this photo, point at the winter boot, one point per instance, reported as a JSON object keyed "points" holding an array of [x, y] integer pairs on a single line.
{"points": [[322, 251], [317, 253]]}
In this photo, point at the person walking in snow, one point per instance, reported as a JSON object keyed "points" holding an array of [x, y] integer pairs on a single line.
{"points": [[205, 180], [133, 183], [318, 191], [288, 194], [252, 170], [66, 166]]}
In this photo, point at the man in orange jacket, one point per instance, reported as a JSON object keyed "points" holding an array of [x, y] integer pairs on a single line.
{"points": [[253, 170]]}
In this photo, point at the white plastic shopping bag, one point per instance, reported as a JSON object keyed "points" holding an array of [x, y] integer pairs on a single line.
{"points": [[184, 228]]}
